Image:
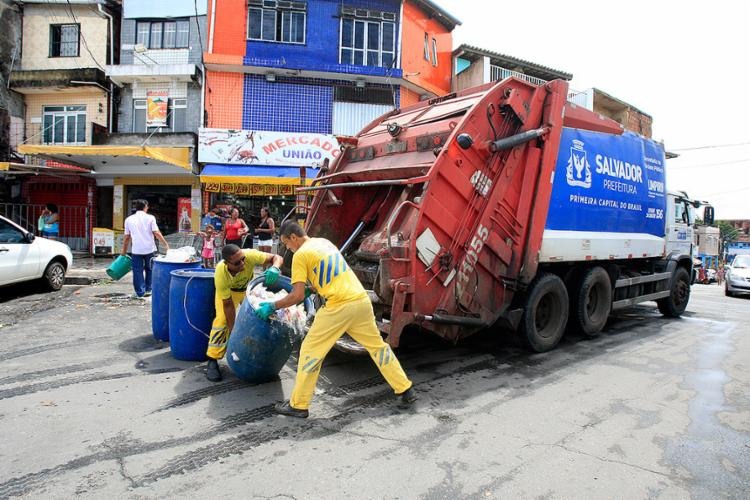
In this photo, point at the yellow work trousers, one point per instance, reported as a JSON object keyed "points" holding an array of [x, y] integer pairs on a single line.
{"points": [[357, 319], [217, 340]]}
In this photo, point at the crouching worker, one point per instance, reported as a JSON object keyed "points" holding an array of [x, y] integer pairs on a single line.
{"points": [[347, 309], [231, 279]]}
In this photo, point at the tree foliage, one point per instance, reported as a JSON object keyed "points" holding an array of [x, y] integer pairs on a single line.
{"points": [[728, 232]]}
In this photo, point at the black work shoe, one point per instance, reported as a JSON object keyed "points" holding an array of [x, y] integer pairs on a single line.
{"points": [[407, 398], [286, 409], [212, 371]]}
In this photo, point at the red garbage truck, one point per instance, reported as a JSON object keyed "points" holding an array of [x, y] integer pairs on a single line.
{"points": [[502, 206]]}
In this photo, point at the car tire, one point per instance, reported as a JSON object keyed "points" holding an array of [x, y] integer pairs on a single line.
{"points": [[727, 292], [54, 276]]}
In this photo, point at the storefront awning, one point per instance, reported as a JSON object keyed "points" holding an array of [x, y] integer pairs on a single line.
{"points": [[286, 176], [96, 156], [14, 168]]}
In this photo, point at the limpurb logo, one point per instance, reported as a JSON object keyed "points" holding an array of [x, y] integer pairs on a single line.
{"points": [[578, 172]]}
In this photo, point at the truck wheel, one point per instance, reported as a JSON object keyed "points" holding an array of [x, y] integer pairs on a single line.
{"points": [[679, 295], [545, 313], [593, 302], [54, 276]]}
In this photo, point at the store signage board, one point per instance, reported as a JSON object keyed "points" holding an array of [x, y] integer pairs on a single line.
{"points": [[249, 189], [157, 102], [256, 147]]}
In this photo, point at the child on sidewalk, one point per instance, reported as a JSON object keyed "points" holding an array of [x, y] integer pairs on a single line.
{"points": [[209, 243]]}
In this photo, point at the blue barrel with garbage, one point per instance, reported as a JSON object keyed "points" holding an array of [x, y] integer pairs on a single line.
{"points": [[257, 350], [160, 281], [191, 312]]}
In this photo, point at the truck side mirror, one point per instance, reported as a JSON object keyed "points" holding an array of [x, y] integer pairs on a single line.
{"points": [[708, 215]]}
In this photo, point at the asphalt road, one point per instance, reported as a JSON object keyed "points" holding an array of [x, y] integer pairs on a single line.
{"points": [[91, 406]]}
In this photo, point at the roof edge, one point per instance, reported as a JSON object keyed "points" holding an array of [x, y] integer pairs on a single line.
{"points": [[497, 55]]}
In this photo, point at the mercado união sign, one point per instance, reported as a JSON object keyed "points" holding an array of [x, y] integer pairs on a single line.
{"points": [[257, 147]]}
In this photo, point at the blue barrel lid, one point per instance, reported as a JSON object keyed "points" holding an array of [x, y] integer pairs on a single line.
{"points": [[193, 272]]}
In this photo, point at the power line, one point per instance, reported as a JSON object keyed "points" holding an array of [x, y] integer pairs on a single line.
{"points": [[83, 38], [712, 146], [198, 25], [721, 193], [681, 167]]}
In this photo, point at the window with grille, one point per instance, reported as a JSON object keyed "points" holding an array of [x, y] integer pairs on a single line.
{"points": [[64, 125], [176, 117], [369, 95], [64, 40], [277, 21], [163, 34], [367, 39]]}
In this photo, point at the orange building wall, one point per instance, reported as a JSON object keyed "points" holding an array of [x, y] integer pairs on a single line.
{"points": [[414, 25], [408, 97], [224, 99], [230, 29]]}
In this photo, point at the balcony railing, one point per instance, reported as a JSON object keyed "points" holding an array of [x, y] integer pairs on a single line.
{"points": [[578, 98], [500, 73]]}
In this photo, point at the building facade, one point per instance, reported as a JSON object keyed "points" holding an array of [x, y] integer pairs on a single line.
{"points": [[158, 104], [302, 73], [59, 71]]}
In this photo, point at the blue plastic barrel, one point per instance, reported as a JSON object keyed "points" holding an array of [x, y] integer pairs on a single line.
{"points": [[257, 350], [191, 312], [160, 280]]}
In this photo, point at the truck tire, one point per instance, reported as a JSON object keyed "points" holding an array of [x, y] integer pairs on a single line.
{"points": [[592, 302], [545, 313], [679, 295], [54, 276]]}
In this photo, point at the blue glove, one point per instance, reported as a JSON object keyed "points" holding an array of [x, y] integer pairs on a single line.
{"points": [[265, 310], [272, 275]]}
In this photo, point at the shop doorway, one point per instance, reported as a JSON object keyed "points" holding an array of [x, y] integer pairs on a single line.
{"points": [[162, 202], [249, 206]]}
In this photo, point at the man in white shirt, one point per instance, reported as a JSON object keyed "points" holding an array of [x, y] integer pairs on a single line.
{"points": [[140, 230]]}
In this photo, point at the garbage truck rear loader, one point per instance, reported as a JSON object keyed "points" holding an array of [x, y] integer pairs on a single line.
{"points": [[501, 205]]}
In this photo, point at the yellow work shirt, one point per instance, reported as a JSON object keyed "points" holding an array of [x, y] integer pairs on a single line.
{"points": [[320, 262], [226, 283]]}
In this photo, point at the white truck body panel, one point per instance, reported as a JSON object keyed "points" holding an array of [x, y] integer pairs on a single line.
{"points": [[573, 246]]}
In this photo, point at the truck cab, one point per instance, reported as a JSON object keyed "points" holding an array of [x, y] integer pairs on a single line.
{"points": [[680, 224]]}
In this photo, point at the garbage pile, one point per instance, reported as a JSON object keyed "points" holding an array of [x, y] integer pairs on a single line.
{"points": [[294, 317], [182, 254]]}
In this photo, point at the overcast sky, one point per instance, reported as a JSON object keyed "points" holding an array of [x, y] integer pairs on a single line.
{"points": [[686, 63]]}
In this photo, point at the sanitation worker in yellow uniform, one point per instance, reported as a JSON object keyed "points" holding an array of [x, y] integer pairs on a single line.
{"points": [[231, 278], [347, 309]]}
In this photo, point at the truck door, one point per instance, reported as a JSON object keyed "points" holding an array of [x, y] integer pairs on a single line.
{"points": [[679, 226]]}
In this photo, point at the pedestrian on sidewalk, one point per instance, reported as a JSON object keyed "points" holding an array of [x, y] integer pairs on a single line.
{"points": [[265, 231], [209, 244], [347, 309], [230, 279], [234, 229], [140, 230], [49, 222]]}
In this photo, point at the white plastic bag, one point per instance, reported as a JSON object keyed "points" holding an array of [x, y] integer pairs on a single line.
{"points": [[294, 317], [182, 254]]}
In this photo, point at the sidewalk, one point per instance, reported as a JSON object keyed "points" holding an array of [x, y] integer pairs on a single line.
{"points": [[88, 270]]}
